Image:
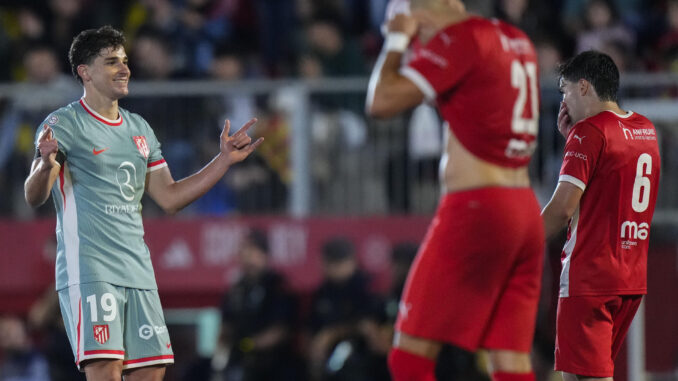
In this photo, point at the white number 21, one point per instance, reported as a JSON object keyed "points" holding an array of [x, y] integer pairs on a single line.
{"points": [[524, 77]]}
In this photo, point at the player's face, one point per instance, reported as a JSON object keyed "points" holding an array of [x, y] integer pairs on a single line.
{"points": [[572, 99], [109, 73]]}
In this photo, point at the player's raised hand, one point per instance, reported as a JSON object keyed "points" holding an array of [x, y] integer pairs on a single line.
{"points": [[239, 145], [403, 23], [564, 121], [48, 146]]}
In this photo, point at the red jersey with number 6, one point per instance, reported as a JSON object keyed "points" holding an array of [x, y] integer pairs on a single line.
{"points": [[483, 76], [614, 159]]}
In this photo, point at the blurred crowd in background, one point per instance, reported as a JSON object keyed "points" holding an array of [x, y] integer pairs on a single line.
{"points": [[234, 40], [309, 38]]}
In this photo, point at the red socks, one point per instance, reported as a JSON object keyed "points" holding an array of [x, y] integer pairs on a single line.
{"points": [[513, 377], [406, 366]]}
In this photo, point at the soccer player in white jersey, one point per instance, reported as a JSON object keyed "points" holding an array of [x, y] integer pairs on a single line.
{"points": [[606, 193], [97, 159]]}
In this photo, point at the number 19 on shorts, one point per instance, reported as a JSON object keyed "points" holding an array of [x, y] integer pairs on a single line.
{"points": [[108, 306]]}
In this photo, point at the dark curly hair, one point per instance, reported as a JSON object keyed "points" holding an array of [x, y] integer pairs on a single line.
{"points": [[87, 45]]}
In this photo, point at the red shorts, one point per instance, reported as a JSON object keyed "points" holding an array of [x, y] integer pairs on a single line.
{"points": [[590, 330], [475, 282]]}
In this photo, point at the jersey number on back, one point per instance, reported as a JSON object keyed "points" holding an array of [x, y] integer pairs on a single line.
{"points": [[524, 78], [641, 187]]}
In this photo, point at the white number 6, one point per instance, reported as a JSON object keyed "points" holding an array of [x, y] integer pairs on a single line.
{"points": [[641, 187]]}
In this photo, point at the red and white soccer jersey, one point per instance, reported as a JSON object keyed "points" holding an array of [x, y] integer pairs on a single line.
{"points": [[615, 160], [483, 75]]}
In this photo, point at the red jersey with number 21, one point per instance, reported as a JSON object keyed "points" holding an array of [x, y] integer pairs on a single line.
{"points": [[483, 76], [614, 159]]}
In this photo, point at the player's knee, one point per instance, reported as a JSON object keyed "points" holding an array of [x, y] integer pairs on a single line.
{"points": [[150, 373], [103, 370], [505, 361]]}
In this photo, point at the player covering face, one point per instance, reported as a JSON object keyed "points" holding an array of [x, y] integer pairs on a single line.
{"points": [[476, 279], [606, 196], [96, 160]]}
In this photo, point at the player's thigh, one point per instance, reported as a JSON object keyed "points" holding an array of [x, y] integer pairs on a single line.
{"points": [[460, 271], [92, 315], [147, 340], [512, 323], [584, 327]]}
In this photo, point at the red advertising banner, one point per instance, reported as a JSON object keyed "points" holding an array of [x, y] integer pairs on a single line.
{"points": [[195, 259]]}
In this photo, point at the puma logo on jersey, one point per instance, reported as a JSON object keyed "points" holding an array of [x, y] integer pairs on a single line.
{"points": [[580, 138], [98, 151]]}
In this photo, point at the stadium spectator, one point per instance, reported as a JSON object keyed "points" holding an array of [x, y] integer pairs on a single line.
{"points": [[257, 319], [44, 89], [337, 349], [667, 44], [18, 360], [606, 196], [484, 173], [603, 29], [45, 322]]}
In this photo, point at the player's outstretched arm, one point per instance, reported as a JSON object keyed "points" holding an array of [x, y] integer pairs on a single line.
{"points": [[560, 208], [44, 170], [172, 196], [388, 92]]}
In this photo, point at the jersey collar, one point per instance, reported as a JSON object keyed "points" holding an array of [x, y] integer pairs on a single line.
{"points": [[628, 114], [100, 117]]}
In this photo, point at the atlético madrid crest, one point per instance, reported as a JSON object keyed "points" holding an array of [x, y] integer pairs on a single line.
{"points": [[140, 141], [101, 333]]}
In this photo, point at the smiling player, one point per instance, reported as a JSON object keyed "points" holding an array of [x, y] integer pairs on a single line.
{"points": [[97, 159]]}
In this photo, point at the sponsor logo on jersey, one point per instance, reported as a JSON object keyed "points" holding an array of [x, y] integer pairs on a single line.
{"points": [[122, 209], [435, 58], [638, 133], [580, 138], [140, 141], [98, 151], [101, 334], [633, 231], [146, 331], [578, 155], [52, 120]]}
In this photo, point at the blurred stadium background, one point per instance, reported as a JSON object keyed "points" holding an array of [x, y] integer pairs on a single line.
{"points": [[325, 170]]}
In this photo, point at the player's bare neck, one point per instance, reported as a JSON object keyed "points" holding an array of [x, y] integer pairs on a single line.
{"points": [[104, 106], [599, 107]]}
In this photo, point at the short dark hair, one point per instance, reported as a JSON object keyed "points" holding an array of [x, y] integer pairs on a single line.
{"points": [[87, 45], [337, 249], [597, 68], [257, 238]]}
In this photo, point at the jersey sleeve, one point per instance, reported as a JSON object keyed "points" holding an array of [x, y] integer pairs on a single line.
{"points": [[584, 146], [441, 64], [155, 158]]}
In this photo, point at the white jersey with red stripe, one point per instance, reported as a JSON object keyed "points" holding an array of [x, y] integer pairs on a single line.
{"points": [[97, 196], [615, 160]]}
